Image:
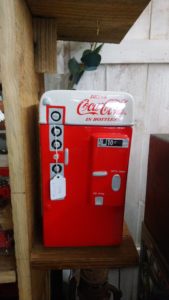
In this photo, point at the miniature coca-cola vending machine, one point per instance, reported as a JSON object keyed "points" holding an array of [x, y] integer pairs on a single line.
{"points": [[85, 139]]}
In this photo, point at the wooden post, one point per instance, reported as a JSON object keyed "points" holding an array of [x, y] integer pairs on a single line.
{"points": [[45, 36], [20, 90]]}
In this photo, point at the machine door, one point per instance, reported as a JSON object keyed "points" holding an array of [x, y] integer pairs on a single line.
{"points": [[91, 163], [110, 155]]}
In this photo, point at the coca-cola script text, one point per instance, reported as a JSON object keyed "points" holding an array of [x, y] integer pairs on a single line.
{"points": [[111, 107]]}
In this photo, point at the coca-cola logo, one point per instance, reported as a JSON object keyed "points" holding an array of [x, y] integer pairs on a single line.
{"points": [[109, 107]]}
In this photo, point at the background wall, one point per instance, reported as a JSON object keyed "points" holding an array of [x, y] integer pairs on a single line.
{"points": [[139, 65]]}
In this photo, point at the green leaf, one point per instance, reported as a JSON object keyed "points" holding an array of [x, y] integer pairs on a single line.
{"points": [[97, 50], [74, 66], [78, 76], [86, 52], [91, 60]]}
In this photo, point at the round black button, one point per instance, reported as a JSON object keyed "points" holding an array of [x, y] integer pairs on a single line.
{"points": [[56, 131], [57, 168], [55, 116], [56, 144]]}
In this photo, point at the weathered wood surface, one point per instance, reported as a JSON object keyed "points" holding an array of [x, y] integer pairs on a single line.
{"points": [[20, 90], [7, 269], [45, 36], [106, 21], [124, 255], [129, 52]]}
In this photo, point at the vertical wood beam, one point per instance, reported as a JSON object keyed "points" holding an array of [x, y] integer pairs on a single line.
{"points": [[45, 36], [20, 89]]}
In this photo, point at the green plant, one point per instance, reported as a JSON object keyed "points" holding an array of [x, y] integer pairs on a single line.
{"points": [[90, 60]]}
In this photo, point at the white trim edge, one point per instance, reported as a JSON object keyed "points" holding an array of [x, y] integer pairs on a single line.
{"points": [[135, 52]]}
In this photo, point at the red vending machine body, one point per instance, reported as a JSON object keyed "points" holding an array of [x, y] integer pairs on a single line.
{"points": [[85, 140]]}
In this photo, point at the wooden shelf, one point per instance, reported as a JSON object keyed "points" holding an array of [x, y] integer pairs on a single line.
{"points": [[121, 256], [7, 269], [103, 20]]}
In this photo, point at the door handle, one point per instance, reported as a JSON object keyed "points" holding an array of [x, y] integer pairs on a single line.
{"points": [[66, 158], [100, 173], [116, 182]]}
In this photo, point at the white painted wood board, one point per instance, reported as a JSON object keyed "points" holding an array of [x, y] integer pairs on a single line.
{"points": [[159, 29], [128, 51], [95, 80]]}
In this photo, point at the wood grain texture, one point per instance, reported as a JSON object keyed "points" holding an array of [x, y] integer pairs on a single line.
{"points": [[7, 276], [159, 20], [93, 80], [7, 262], [20, 85], [7, 269], [136, 52], [41, 287], [79, 20], [6, 217], [20, 89], [141, 28], [45, 36], [124, 255]]}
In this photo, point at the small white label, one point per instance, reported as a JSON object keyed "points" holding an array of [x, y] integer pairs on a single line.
{"points": [[58, 187], [98, 200]]}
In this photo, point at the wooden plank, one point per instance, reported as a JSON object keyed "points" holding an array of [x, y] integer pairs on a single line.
{"points": [[7, 262], [121, 256], [141, 28], [157, 109], [136, 52], [19, 84], [129, 283], [112, 53], [93, 80], [20, 89], [106, 21], [128, 52], [19, 211], [7, 268], [41, 284], [45, 36], [7, 276], [6, 218], [159, 20]]}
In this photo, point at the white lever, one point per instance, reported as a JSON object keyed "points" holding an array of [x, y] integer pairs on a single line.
{"points": [[66, 156], [100, 173]]}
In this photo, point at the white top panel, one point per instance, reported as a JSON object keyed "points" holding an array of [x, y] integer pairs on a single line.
{"points": [[104, 108]]}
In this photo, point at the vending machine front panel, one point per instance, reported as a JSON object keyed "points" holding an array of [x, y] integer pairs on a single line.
{"points": [[84, 164]]}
